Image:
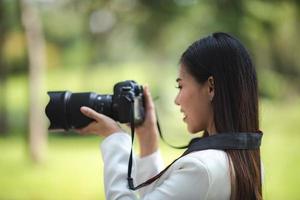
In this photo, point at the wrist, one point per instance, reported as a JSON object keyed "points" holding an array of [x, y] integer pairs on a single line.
{"points": [[147, 139], [148, 146], [110, 131], [145, 151]]}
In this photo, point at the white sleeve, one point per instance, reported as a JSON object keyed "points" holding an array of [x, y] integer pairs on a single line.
{"points": [[147, 167], [188, 174], [115, 151]]}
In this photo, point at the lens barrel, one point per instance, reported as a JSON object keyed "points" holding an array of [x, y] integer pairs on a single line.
{"points": [[63, 109]]}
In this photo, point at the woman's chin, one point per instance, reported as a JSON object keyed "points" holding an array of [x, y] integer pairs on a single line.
{"points": [[194, 130]]}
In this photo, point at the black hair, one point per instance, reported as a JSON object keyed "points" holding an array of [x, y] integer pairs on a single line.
{"points": [[235, 102]]}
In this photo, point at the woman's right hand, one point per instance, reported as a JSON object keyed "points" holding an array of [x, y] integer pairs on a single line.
{"points": [[147, 132]]}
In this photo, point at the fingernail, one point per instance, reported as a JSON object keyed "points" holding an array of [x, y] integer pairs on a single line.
{"points": [[84, 109]]}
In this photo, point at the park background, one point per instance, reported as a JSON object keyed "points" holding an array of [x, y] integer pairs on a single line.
{"points": [[91, 45]]}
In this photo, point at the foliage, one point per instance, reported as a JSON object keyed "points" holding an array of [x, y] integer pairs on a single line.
{"points": [[85, 33]]}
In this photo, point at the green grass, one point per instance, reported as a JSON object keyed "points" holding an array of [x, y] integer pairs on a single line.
{"points": [[71, 170], [73, 167]]}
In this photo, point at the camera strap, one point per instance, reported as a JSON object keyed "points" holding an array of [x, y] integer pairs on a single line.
{"points": [[220, 141], [162, 137]]}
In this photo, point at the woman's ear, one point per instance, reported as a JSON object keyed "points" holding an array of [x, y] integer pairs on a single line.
{"points": [[211, 87]]}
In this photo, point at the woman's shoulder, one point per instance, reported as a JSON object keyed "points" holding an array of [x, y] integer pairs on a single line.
{"points": [[214, 162], [207, 157], [206, 168]]}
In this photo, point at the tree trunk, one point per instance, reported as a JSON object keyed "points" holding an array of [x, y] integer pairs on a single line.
{"points": [[3, 73], [36, 52]]}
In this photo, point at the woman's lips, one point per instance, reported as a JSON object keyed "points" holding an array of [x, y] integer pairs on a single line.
{"points": [[184, 116]]}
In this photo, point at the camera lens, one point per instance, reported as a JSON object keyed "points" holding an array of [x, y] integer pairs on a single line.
{"points": [[63, 109], [57, 108]]}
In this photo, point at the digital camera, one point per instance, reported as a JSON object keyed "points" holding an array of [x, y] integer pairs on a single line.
{"points": [[63, 109]]}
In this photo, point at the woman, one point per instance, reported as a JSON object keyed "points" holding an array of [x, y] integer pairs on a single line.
{"points": [[217, 94]]}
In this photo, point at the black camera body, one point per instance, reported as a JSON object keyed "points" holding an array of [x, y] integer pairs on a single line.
{"points": [[63, 109]]}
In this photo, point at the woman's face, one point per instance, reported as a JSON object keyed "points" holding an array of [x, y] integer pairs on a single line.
{"points": [[194, 100]]}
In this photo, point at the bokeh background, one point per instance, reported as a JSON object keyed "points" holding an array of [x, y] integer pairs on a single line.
{"points": [[91, 45]]}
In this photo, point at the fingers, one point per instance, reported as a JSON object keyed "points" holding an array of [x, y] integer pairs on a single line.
{"points": [[87, 130], [90, 113], [102, 125], [148, 99]]}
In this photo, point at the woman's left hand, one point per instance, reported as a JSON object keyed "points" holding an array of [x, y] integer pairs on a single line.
{"points": [[102, 125]]}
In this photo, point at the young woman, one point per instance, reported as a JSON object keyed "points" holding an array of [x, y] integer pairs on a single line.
{"points": [[217, 94]]}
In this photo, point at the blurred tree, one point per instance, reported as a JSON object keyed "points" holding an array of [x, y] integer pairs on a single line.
{"points": [[3, 72], [230, 15], [36, 52], [272, 30], [118, 31]]}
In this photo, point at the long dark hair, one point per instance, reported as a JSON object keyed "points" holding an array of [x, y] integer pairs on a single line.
{"points": [[235, 103]]}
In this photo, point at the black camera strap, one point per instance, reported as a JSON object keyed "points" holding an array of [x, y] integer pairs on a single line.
{"points": [[163, 139], [220, 141], [129, 178]]}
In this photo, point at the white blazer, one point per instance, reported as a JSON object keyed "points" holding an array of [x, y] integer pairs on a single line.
{"points": [[196, 176]]}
